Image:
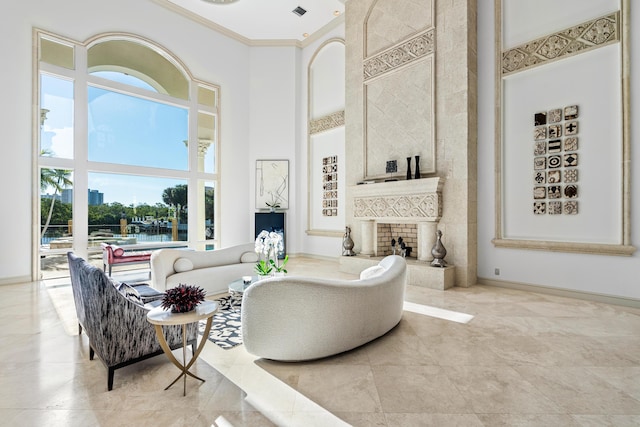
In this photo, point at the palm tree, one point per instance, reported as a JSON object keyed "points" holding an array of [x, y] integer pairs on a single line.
{"points": [[58, 179]]}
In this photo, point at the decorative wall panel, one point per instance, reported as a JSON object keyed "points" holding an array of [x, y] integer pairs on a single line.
{"points": [[391, 21], [555, 161], [543, 200], [397, 104], [416, 206], [326, 123], [398, 73], [410, 201], [326, 140], [330, 186], [577, 39], [395, 57]]}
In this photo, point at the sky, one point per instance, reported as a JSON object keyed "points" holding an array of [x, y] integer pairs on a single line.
{"points": [[122, 129]]}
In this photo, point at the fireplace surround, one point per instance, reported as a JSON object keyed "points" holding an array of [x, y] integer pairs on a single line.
{"points": [[411, 206]]}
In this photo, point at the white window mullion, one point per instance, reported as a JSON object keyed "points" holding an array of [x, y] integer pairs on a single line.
{"points": [[80, 154], [192, 195]]}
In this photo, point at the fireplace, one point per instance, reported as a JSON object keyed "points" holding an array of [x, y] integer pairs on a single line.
{"points": [[396, 233], [409, 209]]}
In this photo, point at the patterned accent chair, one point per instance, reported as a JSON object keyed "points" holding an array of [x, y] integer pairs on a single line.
{"points": [[115, 321]]}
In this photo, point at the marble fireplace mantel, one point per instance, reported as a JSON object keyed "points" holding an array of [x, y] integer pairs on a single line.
{"points": [[416, 201], [407, 200]]}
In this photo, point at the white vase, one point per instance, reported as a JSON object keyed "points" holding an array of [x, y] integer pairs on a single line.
{"points": [[279, 274]]}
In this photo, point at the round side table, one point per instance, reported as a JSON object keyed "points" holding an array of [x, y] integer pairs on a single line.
{"points": [[160, 317]]}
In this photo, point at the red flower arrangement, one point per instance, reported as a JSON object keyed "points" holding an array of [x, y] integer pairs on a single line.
{"points": [[183, 298]]}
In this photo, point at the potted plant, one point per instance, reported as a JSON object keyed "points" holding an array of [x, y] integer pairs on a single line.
{"points": [[183, 298], [279, 270], [263, 268], [269, 244]]}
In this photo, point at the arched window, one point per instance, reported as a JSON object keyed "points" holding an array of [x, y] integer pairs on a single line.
{"points": [[128, 147]]}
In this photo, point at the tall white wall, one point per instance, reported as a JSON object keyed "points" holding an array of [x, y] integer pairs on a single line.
{"points": [[313, 245], [273, 120], [207, 54], [608, 275]]}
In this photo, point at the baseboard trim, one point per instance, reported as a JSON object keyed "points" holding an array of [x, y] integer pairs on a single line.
{"points": [[15, 280], [569, 293]]}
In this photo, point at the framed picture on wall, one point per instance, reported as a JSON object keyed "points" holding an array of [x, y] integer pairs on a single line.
{"points": [[272, 184]]}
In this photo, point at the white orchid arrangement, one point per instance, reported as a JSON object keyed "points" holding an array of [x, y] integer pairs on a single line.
{"points": [[269, 244]]}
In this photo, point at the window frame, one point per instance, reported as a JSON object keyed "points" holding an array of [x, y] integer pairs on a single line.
{"points": [[81, 166]]}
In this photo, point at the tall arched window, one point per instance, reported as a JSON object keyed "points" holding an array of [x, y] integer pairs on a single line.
{"points": [[127, 147]]}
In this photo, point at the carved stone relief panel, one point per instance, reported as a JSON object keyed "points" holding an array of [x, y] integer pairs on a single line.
{"points": [[580, 38], [326, 123], [391, 21], [396, 105], [399, 84], [406, 52], [416, 206]]}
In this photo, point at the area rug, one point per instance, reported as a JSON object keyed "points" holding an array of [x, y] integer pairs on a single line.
{"points": [[226, 327]]}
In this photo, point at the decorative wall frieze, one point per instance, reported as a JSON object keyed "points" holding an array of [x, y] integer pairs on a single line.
{"points": [[413, 200], [326, 123], [406, 207], [578, 39], [401, 54]]}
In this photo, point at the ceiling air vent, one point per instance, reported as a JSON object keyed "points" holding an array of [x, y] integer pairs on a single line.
{"points": [[299, 11]]}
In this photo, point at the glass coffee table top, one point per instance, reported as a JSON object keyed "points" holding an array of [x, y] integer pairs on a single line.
{"points": [[238, 286]]}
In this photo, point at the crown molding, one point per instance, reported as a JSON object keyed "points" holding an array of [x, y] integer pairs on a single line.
{"points": [[242, 39]]}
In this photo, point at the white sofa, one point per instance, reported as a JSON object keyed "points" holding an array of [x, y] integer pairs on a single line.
{"points": [[299, 318], [210, 270]]}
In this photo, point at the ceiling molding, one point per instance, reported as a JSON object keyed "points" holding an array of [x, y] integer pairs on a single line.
{"points": [[200, 20], [250, 42]]}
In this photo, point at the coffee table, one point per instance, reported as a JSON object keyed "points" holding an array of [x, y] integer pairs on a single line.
{"points": [[159, 317], [237, 288]]}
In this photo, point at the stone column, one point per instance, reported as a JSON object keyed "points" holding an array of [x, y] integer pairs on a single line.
{"points": [[426, 239], [367, 229]]}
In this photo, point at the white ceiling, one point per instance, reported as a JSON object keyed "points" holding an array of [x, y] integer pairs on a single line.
{"points": [[259, 20]]}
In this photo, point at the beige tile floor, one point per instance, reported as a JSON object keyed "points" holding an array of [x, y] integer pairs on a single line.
{"points": [[525, 359]]}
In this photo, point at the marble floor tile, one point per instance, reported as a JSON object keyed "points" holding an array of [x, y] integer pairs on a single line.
{"points": [[500, 389], [341, 388], [528, 420], [580, 391], [428, 420], [425, 389]]}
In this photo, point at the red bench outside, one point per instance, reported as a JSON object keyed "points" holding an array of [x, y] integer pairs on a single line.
{"points": [[115, 255]]}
